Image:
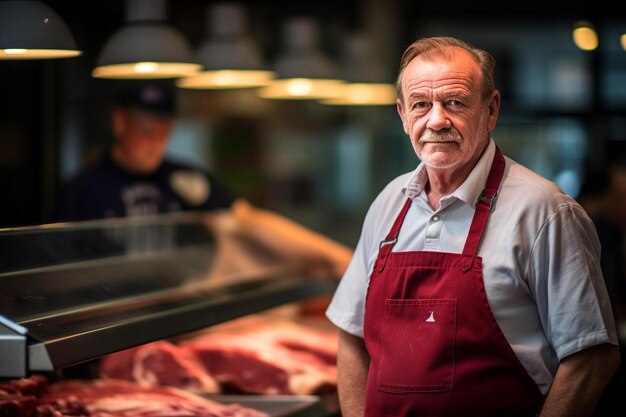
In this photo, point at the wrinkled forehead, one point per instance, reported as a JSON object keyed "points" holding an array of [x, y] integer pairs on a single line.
{"points": [[440, 69]]}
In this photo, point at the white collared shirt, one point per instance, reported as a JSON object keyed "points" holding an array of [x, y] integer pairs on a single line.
{"points": [[540, 252]]}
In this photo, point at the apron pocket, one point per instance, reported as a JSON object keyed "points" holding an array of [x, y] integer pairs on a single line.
{"points": [[418, 338]]}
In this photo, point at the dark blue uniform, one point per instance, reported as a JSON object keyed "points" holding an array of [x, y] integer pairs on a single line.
{"points": [[105, 190]]}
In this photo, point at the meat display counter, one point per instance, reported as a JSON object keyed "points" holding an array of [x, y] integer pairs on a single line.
{"points": [[72, 292]]}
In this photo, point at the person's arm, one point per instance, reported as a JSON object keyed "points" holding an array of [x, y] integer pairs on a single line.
{"points": [[580, 381], [290, 240], [352, 366]]}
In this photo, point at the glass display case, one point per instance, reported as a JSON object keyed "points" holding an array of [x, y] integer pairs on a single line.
{"points": [[72, 292]]}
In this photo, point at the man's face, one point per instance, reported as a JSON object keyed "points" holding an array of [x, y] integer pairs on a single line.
{"points": [[142, 137], [443, 110]]}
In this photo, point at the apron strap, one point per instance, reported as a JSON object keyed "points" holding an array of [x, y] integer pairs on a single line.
{"points": [[386, 245], [483, 205], [481, 214]]}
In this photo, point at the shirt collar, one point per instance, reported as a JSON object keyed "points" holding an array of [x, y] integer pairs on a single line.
{"points": [[469, 191]]}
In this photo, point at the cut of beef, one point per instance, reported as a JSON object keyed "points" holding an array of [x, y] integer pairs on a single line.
{"points": [[159, 364], [118, 398], [254, 354], [118, 365], [107, 398], [23, 398], [14, 405], [62, 408], [252, 364], [33, 385], [315, 338], [297, 337]]}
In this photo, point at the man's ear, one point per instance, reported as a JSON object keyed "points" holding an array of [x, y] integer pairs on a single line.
{"points": [[400, 109], [494, 110]]}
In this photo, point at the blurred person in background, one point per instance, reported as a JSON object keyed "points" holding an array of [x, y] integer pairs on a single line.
{"points": [[135, 178], [476, 287], [603, 196]]}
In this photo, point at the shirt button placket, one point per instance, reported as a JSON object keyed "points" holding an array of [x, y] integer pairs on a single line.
{"points": [[433, 230]]}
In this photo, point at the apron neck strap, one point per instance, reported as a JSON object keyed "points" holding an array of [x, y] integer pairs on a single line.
{"points": [[484, 203], [392, 237], [483, 207]]}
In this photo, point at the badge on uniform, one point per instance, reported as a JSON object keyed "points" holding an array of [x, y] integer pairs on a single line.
{"points": [[192, 186]]}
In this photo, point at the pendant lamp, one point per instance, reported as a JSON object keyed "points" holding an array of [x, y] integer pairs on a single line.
{"points": [[32, 30], [304, 72], [146, 46], [585, 36], [230, 56], [369, 82]]}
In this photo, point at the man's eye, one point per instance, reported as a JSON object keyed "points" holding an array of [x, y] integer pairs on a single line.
{"points": [[455, 103], [420, 105]]}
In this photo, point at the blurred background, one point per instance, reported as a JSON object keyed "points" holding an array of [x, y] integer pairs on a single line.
{"points": [[563, 110]]}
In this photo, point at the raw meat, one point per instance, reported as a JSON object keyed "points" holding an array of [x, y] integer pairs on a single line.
{"points": [[316, 339], [33, 385], [22, 398], [62, 408], [297, 337], [159, 364], [17, 405], [119, 398], [33, 397], [253, 354], [243, 362]]}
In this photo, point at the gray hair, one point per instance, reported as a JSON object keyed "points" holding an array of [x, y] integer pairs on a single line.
{"points": [[443, 46]]}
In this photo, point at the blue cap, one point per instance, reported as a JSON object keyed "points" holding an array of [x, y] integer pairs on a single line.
{"points": [[153, 97]]}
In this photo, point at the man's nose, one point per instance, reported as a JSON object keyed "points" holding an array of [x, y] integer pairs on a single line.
{"points": [[438, 118]]}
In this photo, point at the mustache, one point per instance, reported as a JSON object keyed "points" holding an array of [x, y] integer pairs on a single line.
{"points": [[443, 135]]}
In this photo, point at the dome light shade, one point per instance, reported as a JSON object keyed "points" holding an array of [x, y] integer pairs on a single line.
{"points": [[304, 72], [229, 55], [32, 30], [145, 47]]}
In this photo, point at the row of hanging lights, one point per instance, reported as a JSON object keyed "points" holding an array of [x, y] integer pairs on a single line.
{"points": [[585, 36], [146, 46]]}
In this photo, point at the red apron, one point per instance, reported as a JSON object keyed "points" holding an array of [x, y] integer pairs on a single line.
{"points": [[435, 346]]}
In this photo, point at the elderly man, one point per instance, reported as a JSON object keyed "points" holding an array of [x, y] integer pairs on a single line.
{"points": [[475, 288]]}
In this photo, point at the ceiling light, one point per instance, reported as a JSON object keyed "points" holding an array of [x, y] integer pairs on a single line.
{"points": [[369, 82], [146, 47], [304, 72], [230, 56], [585, 36], [32, 30]]}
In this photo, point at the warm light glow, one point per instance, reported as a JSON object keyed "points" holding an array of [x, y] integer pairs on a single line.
{"points": [[622, 40], [21, 53], [302, 88], [585, 36], [15, 51], [223, 79], [146, 67], [365, 94], [299, 87], [146, 70]]}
